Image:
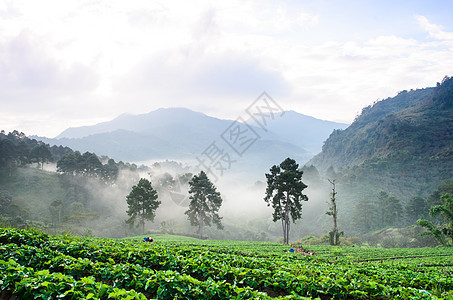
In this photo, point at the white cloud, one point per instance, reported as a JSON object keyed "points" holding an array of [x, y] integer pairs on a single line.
{"points": [[117, 56], [27, 66], [434, 30]]}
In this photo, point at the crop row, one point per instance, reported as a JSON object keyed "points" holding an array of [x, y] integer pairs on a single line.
{"points": [[314, 279], [160, 284], [26, 283]]}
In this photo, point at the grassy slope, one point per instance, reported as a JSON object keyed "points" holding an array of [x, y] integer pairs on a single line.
{"points": [[33, 189]]}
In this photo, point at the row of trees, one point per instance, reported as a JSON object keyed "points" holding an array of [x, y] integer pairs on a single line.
{"points": [[88, 164], [205, 203], [16, 150], [386, 210]]}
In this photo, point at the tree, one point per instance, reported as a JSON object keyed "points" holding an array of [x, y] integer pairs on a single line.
{"points": [[444, 231], [364, 215], [110, 172], [40, 154], [7, 155], [433, 199], [415, 209], [393, 211], [205, 203], [382, 202], [284, 193], [142, 203], [334, 235], [390, 209], [5, 201], [68, 163], [56, 208], [92, 164]]}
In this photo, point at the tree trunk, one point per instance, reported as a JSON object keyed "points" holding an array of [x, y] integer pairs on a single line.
{"points": [[143, 220], [284, 229], [201, 223], [286, 237], [334, 236], [287, 231]]}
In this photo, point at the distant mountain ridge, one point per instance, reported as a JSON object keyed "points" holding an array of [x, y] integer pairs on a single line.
{"points": [[163, 117], [180, 133]]}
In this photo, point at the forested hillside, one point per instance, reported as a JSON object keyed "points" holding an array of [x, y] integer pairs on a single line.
{"points": [[393, 163], [404, 143], [52, 187]]}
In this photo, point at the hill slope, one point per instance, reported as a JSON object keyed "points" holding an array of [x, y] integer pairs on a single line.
{"points": [[405, 139]]}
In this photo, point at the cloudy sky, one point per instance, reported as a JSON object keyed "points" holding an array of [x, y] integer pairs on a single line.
{"points": [[72, 63]]}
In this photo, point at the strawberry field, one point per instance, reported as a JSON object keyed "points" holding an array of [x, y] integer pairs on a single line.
{"points": [[34, 265]]}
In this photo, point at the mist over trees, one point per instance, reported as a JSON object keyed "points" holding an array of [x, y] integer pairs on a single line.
{"points": [[391, 167]]}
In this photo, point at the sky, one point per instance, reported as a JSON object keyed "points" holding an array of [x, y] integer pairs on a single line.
{"points": [[73, 63]]}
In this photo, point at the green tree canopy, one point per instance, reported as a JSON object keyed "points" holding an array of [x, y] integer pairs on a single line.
{"points": [[142, 203], [88, 165], [205, 203], [444, 231], [445, 187], [284, 193], [40, 154]]}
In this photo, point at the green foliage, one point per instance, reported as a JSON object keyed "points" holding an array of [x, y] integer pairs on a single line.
{"points": [[445, 187], [37, 266], [142, 203], [364, 216], [205, 203], [444, 231], [432, 229], [88, 165], [415, 209], [16, 149], [40, 154], [390, 209], [5, 201], [284, 192]]}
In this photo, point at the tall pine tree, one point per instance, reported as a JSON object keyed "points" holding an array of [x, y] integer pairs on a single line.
{"points": [[284, 193], [205, 203], [142, 203]]}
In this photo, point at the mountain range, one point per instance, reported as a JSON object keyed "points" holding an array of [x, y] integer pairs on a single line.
{"points": [[182, 134]]}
